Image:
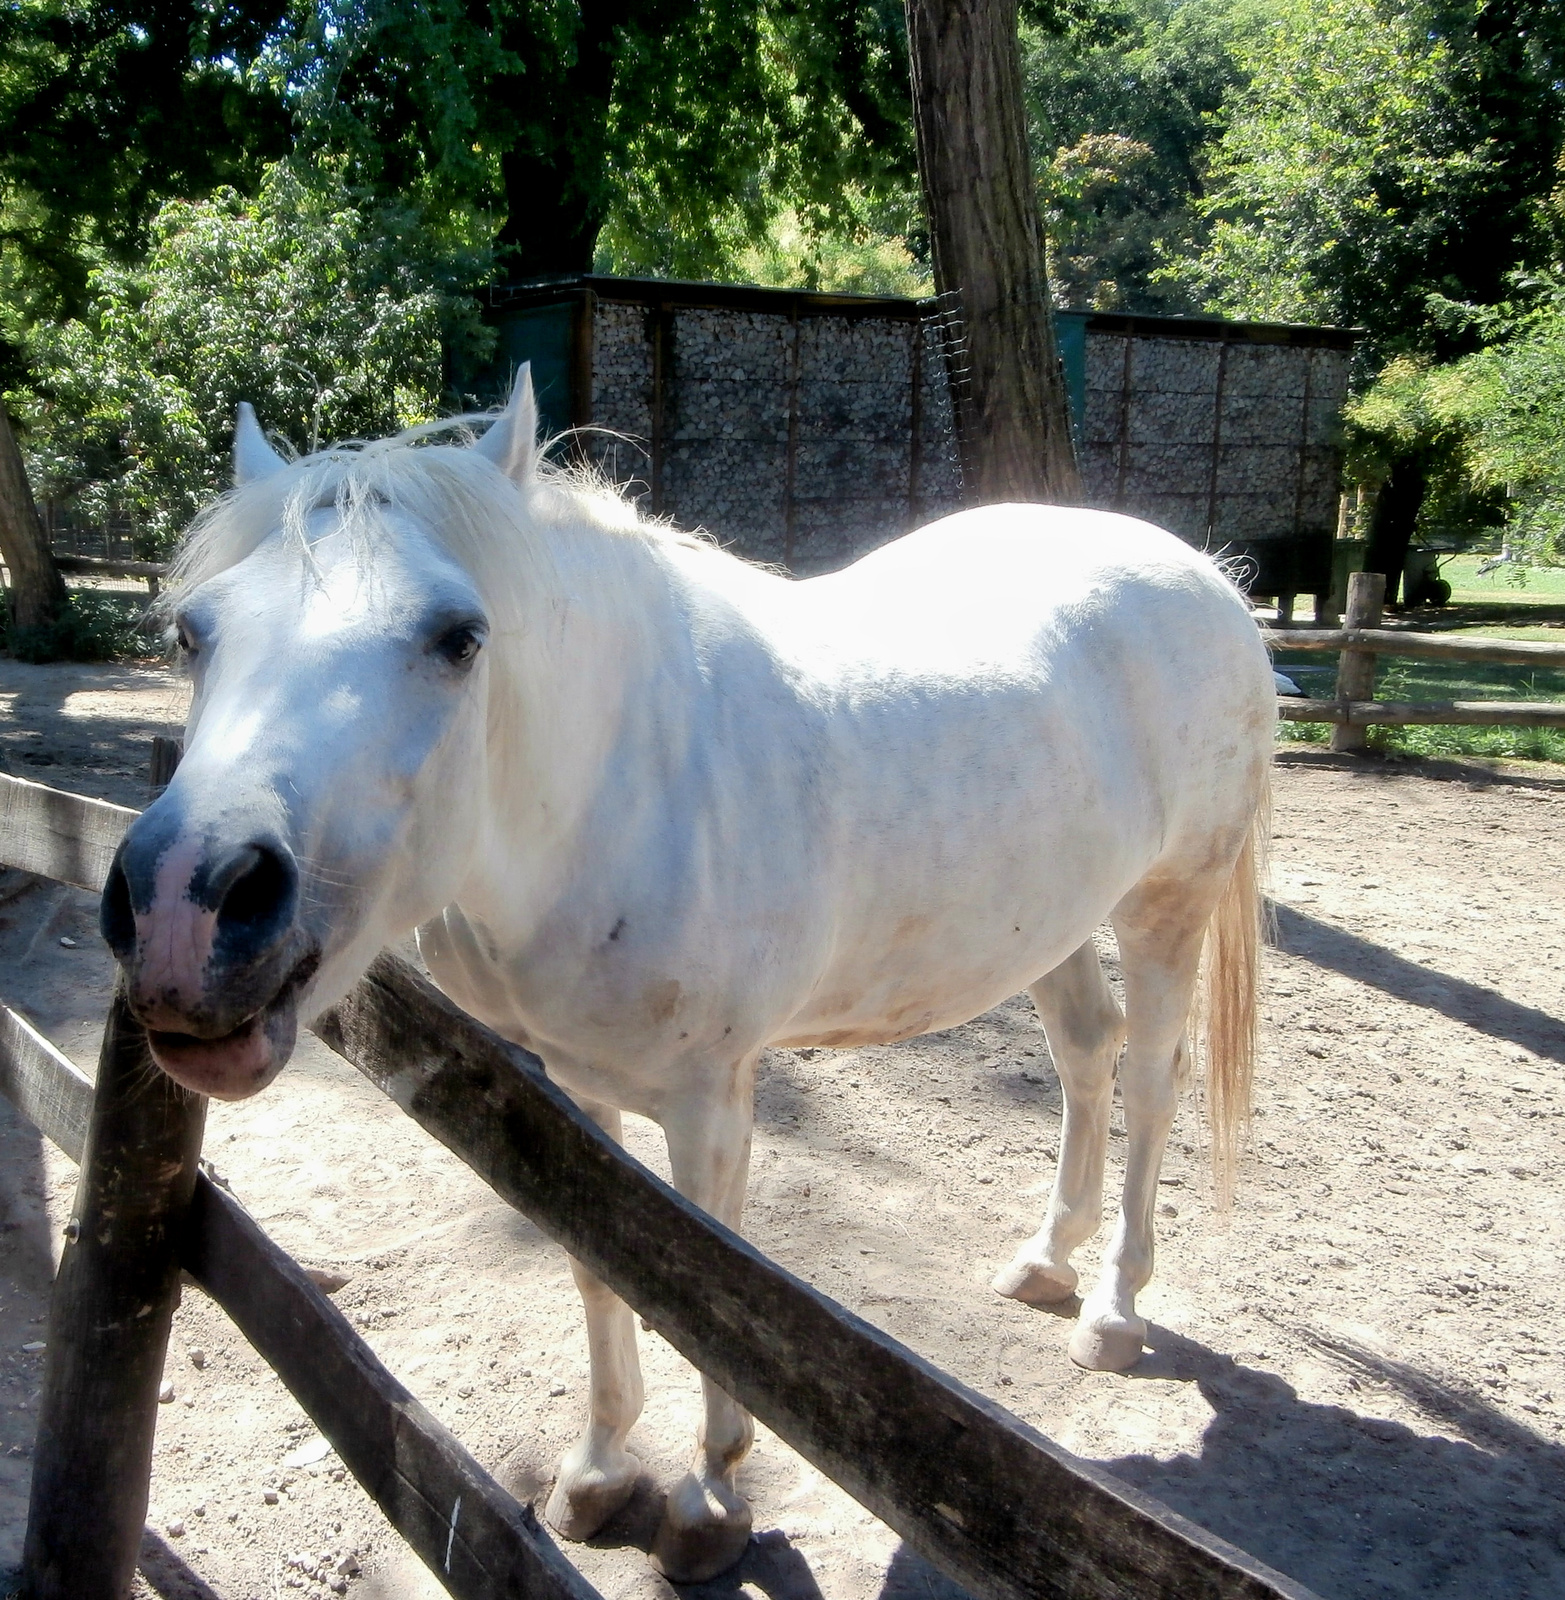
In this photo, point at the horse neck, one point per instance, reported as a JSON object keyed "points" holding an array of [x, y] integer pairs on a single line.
{"points": [[602, 632]]}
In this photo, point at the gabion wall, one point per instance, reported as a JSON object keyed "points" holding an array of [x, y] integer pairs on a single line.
{"points": [[1232, 445], [806, 430], [792, 440]]}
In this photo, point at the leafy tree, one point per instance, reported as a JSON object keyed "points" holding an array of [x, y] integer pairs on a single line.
{"points": [[107, 109], [1490, 421], [680, 125], [314, 307], [1383, 153], [1386, 160], [1126, 98]]}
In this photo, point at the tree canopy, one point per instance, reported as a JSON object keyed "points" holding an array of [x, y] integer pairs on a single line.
{"points": [[1389, 164], [108, 109], [1380, 158], [307, 302]]}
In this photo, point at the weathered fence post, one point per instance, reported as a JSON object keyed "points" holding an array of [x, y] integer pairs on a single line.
{"points": [[109, 1319], [1356, 668], [165, 757], [109, 1322]]}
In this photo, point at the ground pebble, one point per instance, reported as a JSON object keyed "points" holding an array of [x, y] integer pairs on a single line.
{"points": [[198, 1359], [269, 1496], [176, 1528], [166, 1393], [67, 941], [556, 1389]]}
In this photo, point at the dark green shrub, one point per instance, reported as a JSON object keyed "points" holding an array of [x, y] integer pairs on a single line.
{"points": [[94, 626]]}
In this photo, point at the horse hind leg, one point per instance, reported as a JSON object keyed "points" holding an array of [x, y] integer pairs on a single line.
{"points": [[1085, 1029], [1160, 927], [597, 1475], [706, 1521]]}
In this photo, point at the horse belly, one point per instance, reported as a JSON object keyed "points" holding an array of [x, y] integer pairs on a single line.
{"points": [[907, 966]]}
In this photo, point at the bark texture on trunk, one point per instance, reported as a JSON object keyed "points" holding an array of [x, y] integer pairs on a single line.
{"points": [[1012, 413], [555, 182], [37, 589]]}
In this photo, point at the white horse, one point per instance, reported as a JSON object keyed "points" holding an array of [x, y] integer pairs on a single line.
{"points": [[652, 810]]}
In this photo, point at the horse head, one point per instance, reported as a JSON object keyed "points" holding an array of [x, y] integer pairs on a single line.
{"points": [[328, 798]]}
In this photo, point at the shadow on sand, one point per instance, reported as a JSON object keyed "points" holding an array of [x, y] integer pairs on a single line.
{"points": [[1366, 962], [1359, 1506]]}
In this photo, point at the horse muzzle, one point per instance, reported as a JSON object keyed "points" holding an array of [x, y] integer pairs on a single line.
{"points": [[207, 932]]}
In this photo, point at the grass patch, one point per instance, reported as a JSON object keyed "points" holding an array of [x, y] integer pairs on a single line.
{"points": [[1507, 585]]}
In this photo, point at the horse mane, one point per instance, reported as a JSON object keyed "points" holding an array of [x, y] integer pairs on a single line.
{"points": [[486, 523]]}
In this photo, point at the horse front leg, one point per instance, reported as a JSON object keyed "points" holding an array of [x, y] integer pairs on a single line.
{"points": [[597, 1475], [706, 1522]]}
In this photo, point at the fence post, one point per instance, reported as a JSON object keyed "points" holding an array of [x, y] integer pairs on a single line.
{"points": [[109, 1321], [1356, 668], [165, 757], [109, 1318]]}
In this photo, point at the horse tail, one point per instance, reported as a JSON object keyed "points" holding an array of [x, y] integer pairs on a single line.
{"points": [[1227, 1002]]}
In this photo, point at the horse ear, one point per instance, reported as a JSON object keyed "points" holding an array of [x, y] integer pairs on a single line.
{"points": [[512, 440], [254, 458]]}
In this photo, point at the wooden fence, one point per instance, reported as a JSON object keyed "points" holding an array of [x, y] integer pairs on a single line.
{"points": [[113, 567], [981, 1494], [1361, 640]]}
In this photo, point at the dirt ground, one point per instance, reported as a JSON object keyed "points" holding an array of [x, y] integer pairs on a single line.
{"points": [[1359, 1379]]}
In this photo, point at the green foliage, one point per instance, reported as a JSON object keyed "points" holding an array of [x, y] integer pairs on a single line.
{"points": [[1383, 154], [1126, 98], [865, 260], [107, 109], [94, 626], [682, 126], [324, 312], [1405, 413], [1507, 401], [1487, 427]]}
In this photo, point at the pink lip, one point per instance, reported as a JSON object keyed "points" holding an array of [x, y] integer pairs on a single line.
{"points": [[237, 1065]]}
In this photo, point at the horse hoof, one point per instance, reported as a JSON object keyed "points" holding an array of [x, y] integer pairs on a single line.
{"points": [[587, 1495], [705, 1528], [1035, 1284], [1108, 1343]]}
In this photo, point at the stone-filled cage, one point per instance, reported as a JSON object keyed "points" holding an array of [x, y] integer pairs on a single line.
{"points": [[807, 429]]}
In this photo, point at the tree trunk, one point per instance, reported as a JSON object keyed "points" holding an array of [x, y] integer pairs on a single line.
{"points": [[37, 589], [1008, 388], [556, 188], [1393, 520]]}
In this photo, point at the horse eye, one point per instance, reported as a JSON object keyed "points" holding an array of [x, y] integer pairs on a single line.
{"points": [[460, 645], [183, 641]]}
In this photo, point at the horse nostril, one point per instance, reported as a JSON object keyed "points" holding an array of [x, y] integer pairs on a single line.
{"points": [[258, 901], [116, 918]]}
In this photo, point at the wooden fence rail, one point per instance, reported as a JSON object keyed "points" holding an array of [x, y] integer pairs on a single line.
{"points": [[458, 1519], [1420, 713], [1424, 646], [970, 1486], [1362, 640]]}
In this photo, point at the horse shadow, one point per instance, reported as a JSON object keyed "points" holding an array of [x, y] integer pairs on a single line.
{"points": [[1355, 1507], [1489, 1012], [1359, 1507]]}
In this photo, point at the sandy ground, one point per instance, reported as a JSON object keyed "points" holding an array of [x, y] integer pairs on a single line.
{"points": [[1360, 1379]]}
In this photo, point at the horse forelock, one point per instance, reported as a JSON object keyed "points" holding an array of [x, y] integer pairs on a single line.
{"points": [[499, 533]]}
